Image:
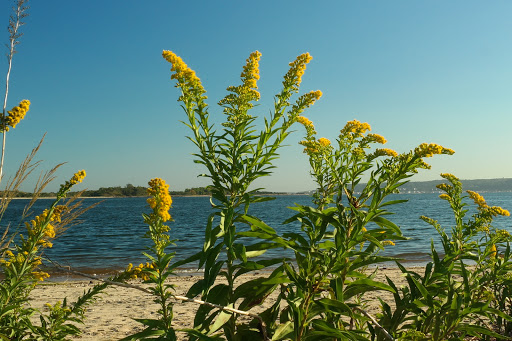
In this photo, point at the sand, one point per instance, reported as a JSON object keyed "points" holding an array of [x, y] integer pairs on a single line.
{"points": [[111, 316]]}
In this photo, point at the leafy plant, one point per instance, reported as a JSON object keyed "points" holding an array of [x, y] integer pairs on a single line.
{"points": [[158, 270], [234, 157], [451, 301], [343, 234]]}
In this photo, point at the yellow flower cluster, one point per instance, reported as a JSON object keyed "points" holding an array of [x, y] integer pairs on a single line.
{"points": [[16, 114], [493, 251], [388, 242], [35, 225], [161, 199], [503, 234], [376, 138], [138, 272], [431, 149], [478, 199], [450, 177], [77, 177], [305, 101], [293, 77], [444, 187], [251, 72], [312, 146], [305, 121], [185, 76], [355, 128], [245, 93], [40, 275], [324, 142], [444, 196], [385, 152], [19, 260], [496, 210]]}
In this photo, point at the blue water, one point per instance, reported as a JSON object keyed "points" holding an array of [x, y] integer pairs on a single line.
{"points": [[110, 235]]}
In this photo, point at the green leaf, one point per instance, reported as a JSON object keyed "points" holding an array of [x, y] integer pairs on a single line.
{"points": [[334, 306], [283, 331], [201, 336], [221, 319], [257, 223], [364, 285], [146, 333]]}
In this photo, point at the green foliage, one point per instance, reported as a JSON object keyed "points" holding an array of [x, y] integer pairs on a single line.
{"points": [[234, 157], [324, 291], [158, 269], [453, 300], [20, 266]]}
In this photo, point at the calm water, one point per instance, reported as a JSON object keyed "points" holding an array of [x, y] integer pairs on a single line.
{"points": [[110, 235]]}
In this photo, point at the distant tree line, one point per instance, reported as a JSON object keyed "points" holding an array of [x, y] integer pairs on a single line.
{"points": [[482, 185], [127, 191]]}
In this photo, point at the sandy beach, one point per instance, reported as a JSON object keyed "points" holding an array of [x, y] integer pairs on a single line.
{"points": [[111, 317]]}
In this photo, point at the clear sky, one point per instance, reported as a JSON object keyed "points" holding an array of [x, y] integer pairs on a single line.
{"points": [[417, 71]]}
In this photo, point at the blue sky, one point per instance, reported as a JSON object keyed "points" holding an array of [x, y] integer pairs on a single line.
{"points": [[417, 71]]}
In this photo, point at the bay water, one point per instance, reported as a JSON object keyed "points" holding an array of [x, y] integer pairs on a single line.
{"points": [[110, 235]]}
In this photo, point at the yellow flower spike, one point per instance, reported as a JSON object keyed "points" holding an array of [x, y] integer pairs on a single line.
{"points": [[186, 77], [385, 152], [77, 177], [293, 77], [40, 276], [431, 149], [444, 187], [496, 210], [388, 243], [16, 114], [444, 196], [324, 142], [251, 72], [355, 128], [478, 199], [493, 251], [161, 201], [377, 138], [304, 121]]}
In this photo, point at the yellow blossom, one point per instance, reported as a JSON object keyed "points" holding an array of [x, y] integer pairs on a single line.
{"points": [[493, 251], [40, 275], [324, 142], [161, 201], [186, 77], [77, 177], [385, 152], [377, 138], [16, 114], [496, 210], [305, 101], [355, 128], [431, 149], [444, 187], [444, 196], [293, 77], [388, 242], [478, 199], [304, 121]]}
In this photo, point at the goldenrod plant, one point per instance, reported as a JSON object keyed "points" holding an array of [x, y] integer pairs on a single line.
{"points": [[234, 156], [342, 234], [462, 291], [158, 269], [20, 266]]}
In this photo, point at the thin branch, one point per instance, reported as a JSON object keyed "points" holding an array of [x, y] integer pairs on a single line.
{"points": [[176, 297], [15, 22], [376, 323]]}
